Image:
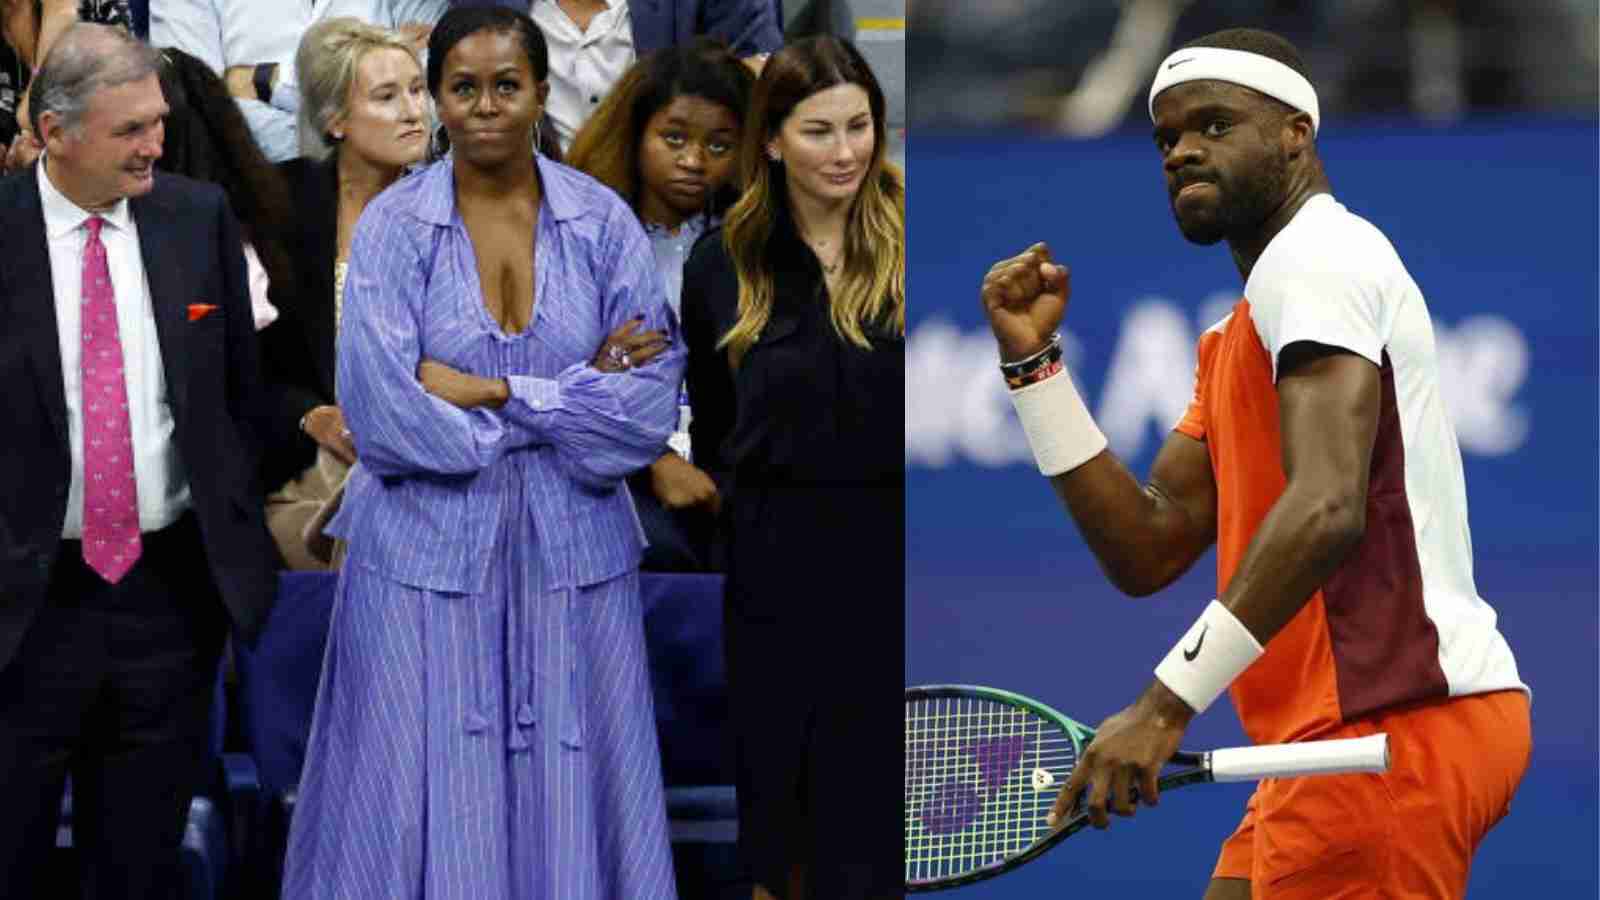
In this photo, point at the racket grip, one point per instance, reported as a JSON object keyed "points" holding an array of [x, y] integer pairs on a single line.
{"points": [[1365, 754]]}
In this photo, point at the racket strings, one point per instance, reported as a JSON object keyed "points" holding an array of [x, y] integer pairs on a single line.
{"points": [[980, 777]]}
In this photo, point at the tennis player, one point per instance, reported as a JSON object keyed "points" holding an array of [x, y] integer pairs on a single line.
{"points": [[1318, 455]]}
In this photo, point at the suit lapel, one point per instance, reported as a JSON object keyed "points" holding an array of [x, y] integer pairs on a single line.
{"points": [[35, 298], [160, 246]]}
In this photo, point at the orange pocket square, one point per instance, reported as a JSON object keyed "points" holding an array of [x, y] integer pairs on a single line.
{"points": [[198, 311]]}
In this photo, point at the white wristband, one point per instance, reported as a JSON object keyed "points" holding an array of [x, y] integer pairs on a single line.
{"points": [[1059, 428], [1215, 651]]}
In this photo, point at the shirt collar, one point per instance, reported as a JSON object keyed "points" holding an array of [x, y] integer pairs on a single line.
{"points": [[62, 216], [437, 205], [694, 226]]}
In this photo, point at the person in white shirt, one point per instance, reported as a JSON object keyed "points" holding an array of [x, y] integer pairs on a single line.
{"points": [[252, 43]]}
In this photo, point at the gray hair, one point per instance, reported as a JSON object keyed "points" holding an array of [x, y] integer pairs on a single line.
{"points": [[86, 59], [325, 65]]}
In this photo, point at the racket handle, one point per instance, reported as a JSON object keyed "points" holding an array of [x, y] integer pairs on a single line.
{"points": [[1366, 754]]}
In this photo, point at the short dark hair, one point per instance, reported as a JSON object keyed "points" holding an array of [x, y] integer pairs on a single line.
{"points": [[462, 22], [1254, 40]]}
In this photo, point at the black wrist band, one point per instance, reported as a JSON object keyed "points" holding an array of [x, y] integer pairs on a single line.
{"points": [[1046, 356], [263, 81]]}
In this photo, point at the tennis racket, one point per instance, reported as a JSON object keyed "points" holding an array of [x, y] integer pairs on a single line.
{"points": [[984, 766]]}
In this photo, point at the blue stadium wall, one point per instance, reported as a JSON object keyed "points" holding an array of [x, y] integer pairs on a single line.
{"points": [[1496, 221]]}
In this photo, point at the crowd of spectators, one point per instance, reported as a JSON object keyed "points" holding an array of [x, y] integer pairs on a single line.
{"points": [[304, 111], [1081, 68], [480, 299]]}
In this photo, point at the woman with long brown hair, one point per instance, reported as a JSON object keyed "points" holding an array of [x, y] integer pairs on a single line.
{"points": [[795, 319], [207, 139]]}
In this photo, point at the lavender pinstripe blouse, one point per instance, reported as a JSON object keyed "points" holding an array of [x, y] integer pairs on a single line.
{"points": [[414, 509]]}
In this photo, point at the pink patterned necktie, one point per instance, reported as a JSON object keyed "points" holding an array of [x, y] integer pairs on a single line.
{"points": [[110, 498]]}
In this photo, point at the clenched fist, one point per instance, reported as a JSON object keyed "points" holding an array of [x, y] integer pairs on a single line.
{"points": [[1025, 297]]}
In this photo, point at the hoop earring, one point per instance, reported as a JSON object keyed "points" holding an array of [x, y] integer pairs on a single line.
{"points": [[537, 136]]}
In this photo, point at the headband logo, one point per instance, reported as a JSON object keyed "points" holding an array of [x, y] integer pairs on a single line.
{"points": [[1178, 62]]}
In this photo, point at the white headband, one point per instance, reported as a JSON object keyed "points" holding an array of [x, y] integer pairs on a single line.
{"points": [[1252, 70]]}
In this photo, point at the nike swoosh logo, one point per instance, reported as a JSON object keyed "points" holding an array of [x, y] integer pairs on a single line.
{"points": [[1189, 655], [1178, 62]]}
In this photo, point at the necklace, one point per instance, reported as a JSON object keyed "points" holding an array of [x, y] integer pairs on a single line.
{"points": [[817, 248]]}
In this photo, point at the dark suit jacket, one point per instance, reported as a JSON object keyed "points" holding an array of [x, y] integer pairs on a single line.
{"points": [[191, 249], [297, 349], [748, 26]]}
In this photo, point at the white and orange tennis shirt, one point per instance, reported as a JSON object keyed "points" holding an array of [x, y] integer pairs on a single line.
{"points": [[1401, 620]]}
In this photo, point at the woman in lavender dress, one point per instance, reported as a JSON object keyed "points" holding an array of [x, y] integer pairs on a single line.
{"points": [[484, 728]]}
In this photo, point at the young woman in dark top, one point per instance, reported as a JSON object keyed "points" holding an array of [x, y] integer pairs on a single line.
{"points": [[795, 319], [666, 139]]}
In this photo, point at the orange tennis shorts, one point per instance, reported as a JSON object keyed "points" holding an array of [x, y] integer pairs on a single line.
{"points": [[1409, 833]]}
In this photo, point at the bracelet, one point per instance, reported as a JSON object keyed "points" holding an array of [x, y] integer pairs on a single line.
{"points": [[1060, 430], [1037, 375], [1216, 649], [1050, 352]]}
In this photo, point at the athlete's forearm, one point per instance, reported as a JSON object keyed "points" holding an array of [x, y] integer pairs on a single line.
{"points": [[1300, 544], [1143, 538]]}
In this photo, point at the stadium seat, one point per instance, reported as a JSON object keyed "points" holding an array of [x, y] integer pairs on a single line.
{"points": [[683, 634]]}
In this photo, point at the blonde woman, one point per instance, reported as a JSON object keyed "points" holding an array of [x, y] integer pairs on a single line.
{"points": [[795, 319], [364, 120]]}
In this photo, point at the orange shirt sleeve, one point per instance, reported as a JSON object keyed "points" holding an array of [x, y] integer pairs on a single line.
{"points": [[1194, 419]]}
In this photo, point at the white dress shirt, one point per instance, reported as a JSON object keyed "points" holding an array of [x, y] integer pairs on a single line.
{"points": [[583, 64], [163, 488], [224, 33]]}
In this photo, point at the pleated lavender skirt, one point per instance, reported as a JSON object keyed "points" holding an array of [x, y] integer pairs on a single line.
{"points": [[483, 746]]}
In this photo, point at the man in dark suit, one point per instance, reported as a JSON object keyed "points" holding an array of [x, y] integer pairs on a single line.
{"points": [[130, 509]]}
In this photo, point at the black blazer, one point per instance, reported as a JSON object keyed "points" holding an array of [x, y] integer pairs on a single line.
{"points": [[191, 249], [297, 349]]}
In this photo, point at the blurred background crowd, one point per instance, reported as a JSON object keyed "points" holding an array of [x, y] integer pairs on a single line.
{"points": [[1082, 67]]}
